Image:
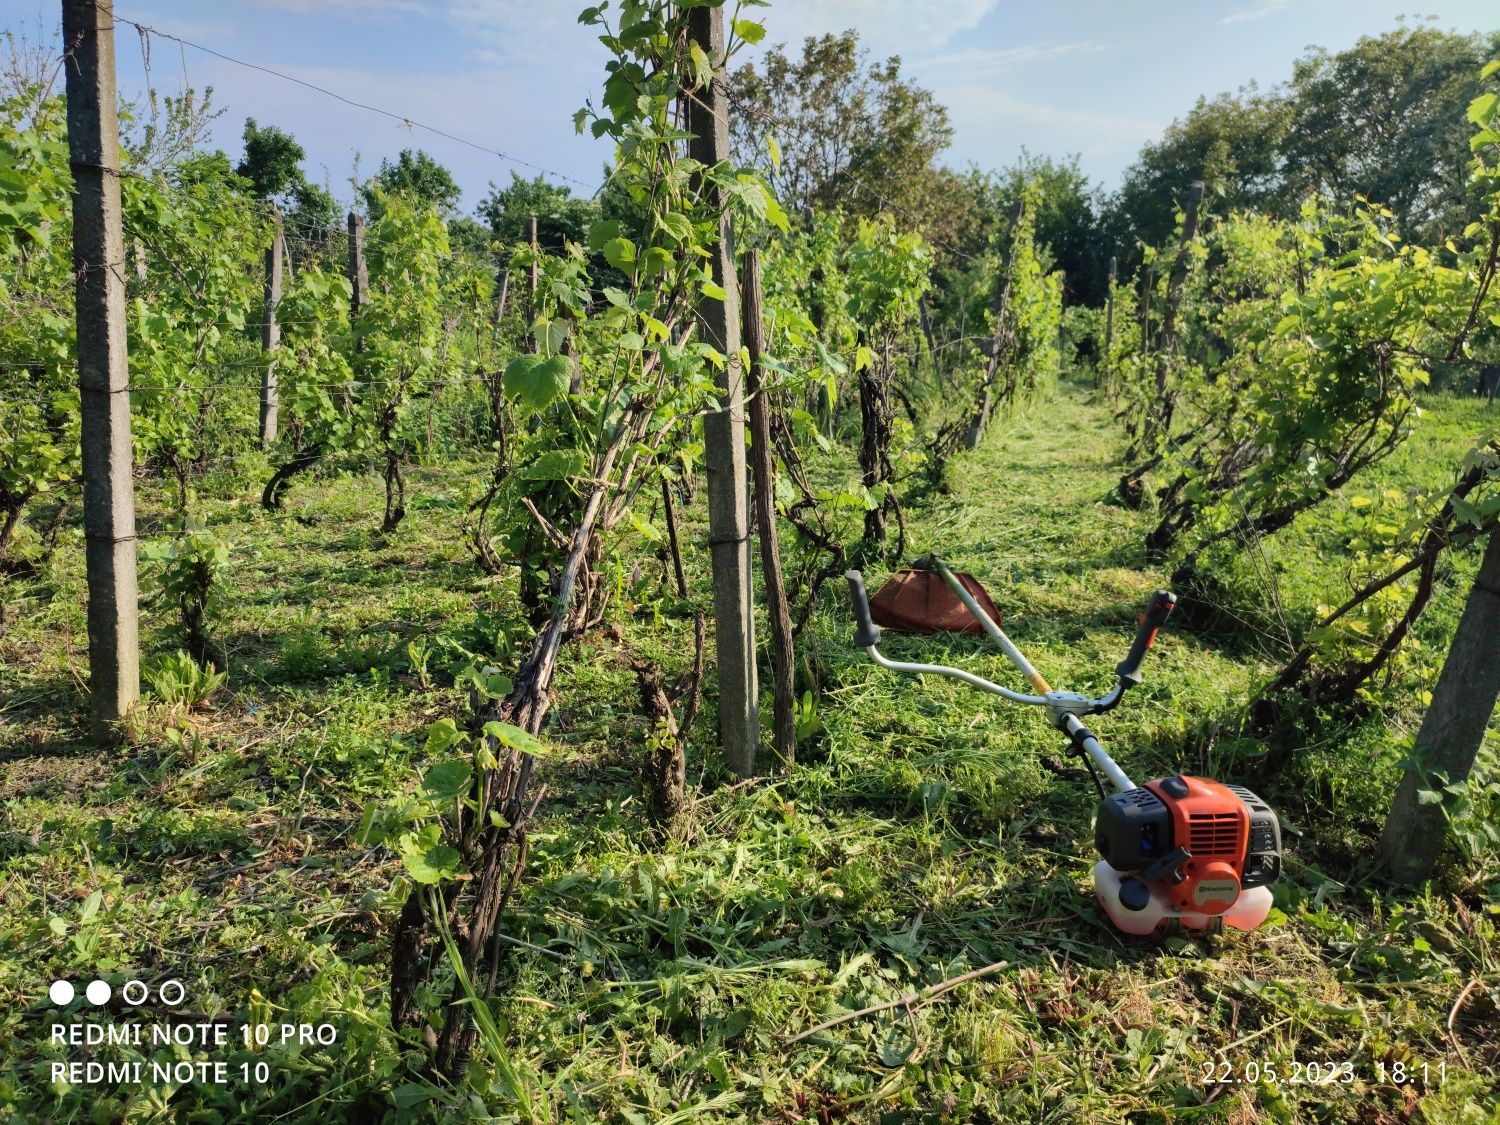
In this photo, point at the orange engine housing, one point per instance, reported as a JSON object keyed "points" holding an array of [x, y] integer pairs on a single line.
{"points": [[1214, 825]]}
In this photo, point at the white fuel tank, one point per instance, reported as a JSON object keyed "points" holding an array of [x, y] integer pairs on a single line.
{"points": [[1248, 912]]}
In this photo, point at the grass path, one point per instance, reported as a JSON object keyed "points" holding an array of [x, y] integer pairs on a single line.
{"points": [[919, 839]]}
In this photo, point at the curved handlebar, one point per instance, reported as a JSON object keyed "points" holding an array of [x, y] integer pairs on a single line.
{"points": [[867, 637], [868, 633]]}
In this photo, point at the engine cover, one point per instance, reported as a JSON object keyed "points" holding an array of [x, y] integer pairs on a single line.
{"points": [[1198, 843]]}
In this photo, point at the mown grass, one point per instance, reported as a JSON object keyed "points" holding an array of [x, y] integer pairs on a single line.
{"points": [[665, 980]]}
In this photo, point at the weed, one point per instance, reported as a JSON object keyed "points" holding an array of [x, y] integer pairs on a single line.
{"points": [[180, 682]]}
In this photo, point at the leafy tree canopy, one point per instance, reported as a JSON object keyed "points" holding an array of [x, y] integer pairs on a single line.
{"points": [[832, 129], [272, 161], [1384, 119], [560, 216], [418, 176]]}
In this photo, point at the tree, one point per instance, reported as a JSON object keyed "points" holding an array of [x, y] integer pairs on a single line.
{"points": [[313, 206], [1451, 732], [417, 176], [1385, 119], [272, 161], [1233, 143], [833, 130], [560, 217], [1066, 220]]}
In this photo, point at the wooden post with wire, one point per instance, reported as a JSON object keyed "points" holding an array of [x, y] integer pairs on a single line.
{"points": [[1109, 319], [724, 428], [359, 277], [1148, 286], [1004, 336], [103, 371], [271, 337], [1452, 731], [1167, 339], [1062, 322], [763, 483], [532, 279]]}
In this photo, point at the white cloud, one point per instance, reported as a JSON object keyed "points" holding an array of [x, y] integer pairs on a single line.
{"points": [[991, 126], [1257, 11], [982, 62], [361, 7], [885, 26]]}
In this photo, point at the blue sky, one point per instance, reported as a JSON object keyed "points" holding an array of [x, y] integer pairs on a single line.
{"points": [[1092, 77]]}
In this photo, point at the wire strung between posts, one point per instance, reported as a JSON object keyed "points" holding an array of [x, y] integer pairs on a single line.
{"points": [[409, 122]]}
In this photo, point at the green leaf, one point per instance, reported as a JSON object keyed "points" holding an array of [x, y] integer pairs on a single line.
{"points": [[431, 866], [646, 528], [749, 31], [491, 685], [537, 382], [620, 253], [678, 227], [367, 833], [1482, 108], [656, 260], [517, 739], [601, 232], [441, 735], [556, 464], [411, 1095], [703, 69], [447, 780]]}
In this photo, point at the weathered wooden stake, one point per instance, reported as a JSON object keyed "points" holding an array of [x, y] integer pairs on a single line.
{"points": [[1167, 341], [1148, 284], [926, 321], [1109, 320], [271, 338], [359, 279], [981, 417], [501, 298], [1452, 730], [762, 464], [532, 279], [103, 372], [724, 429]]}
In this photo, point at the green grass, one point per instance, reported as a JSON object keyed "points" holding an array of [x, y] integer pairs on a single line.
{"points": [[920, 838]]}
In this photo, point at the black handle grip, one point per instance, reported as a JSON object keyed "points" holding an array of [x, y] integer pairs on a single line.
{"points": [[1157, 612], [868, 633]]}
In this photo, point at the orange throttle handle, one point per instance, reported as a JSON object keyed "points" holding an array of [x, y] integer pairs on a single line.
{"points": [[1157, 612]]}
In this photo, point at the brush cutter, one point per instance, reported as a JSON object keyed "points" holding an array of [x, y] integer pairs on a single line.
{"points": [[1181, 853]]}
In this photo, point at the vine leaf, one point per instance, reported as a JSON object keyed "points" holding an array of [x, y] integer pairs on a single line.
{"points": [[536, 381], [513, 736], [447, 780]]}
